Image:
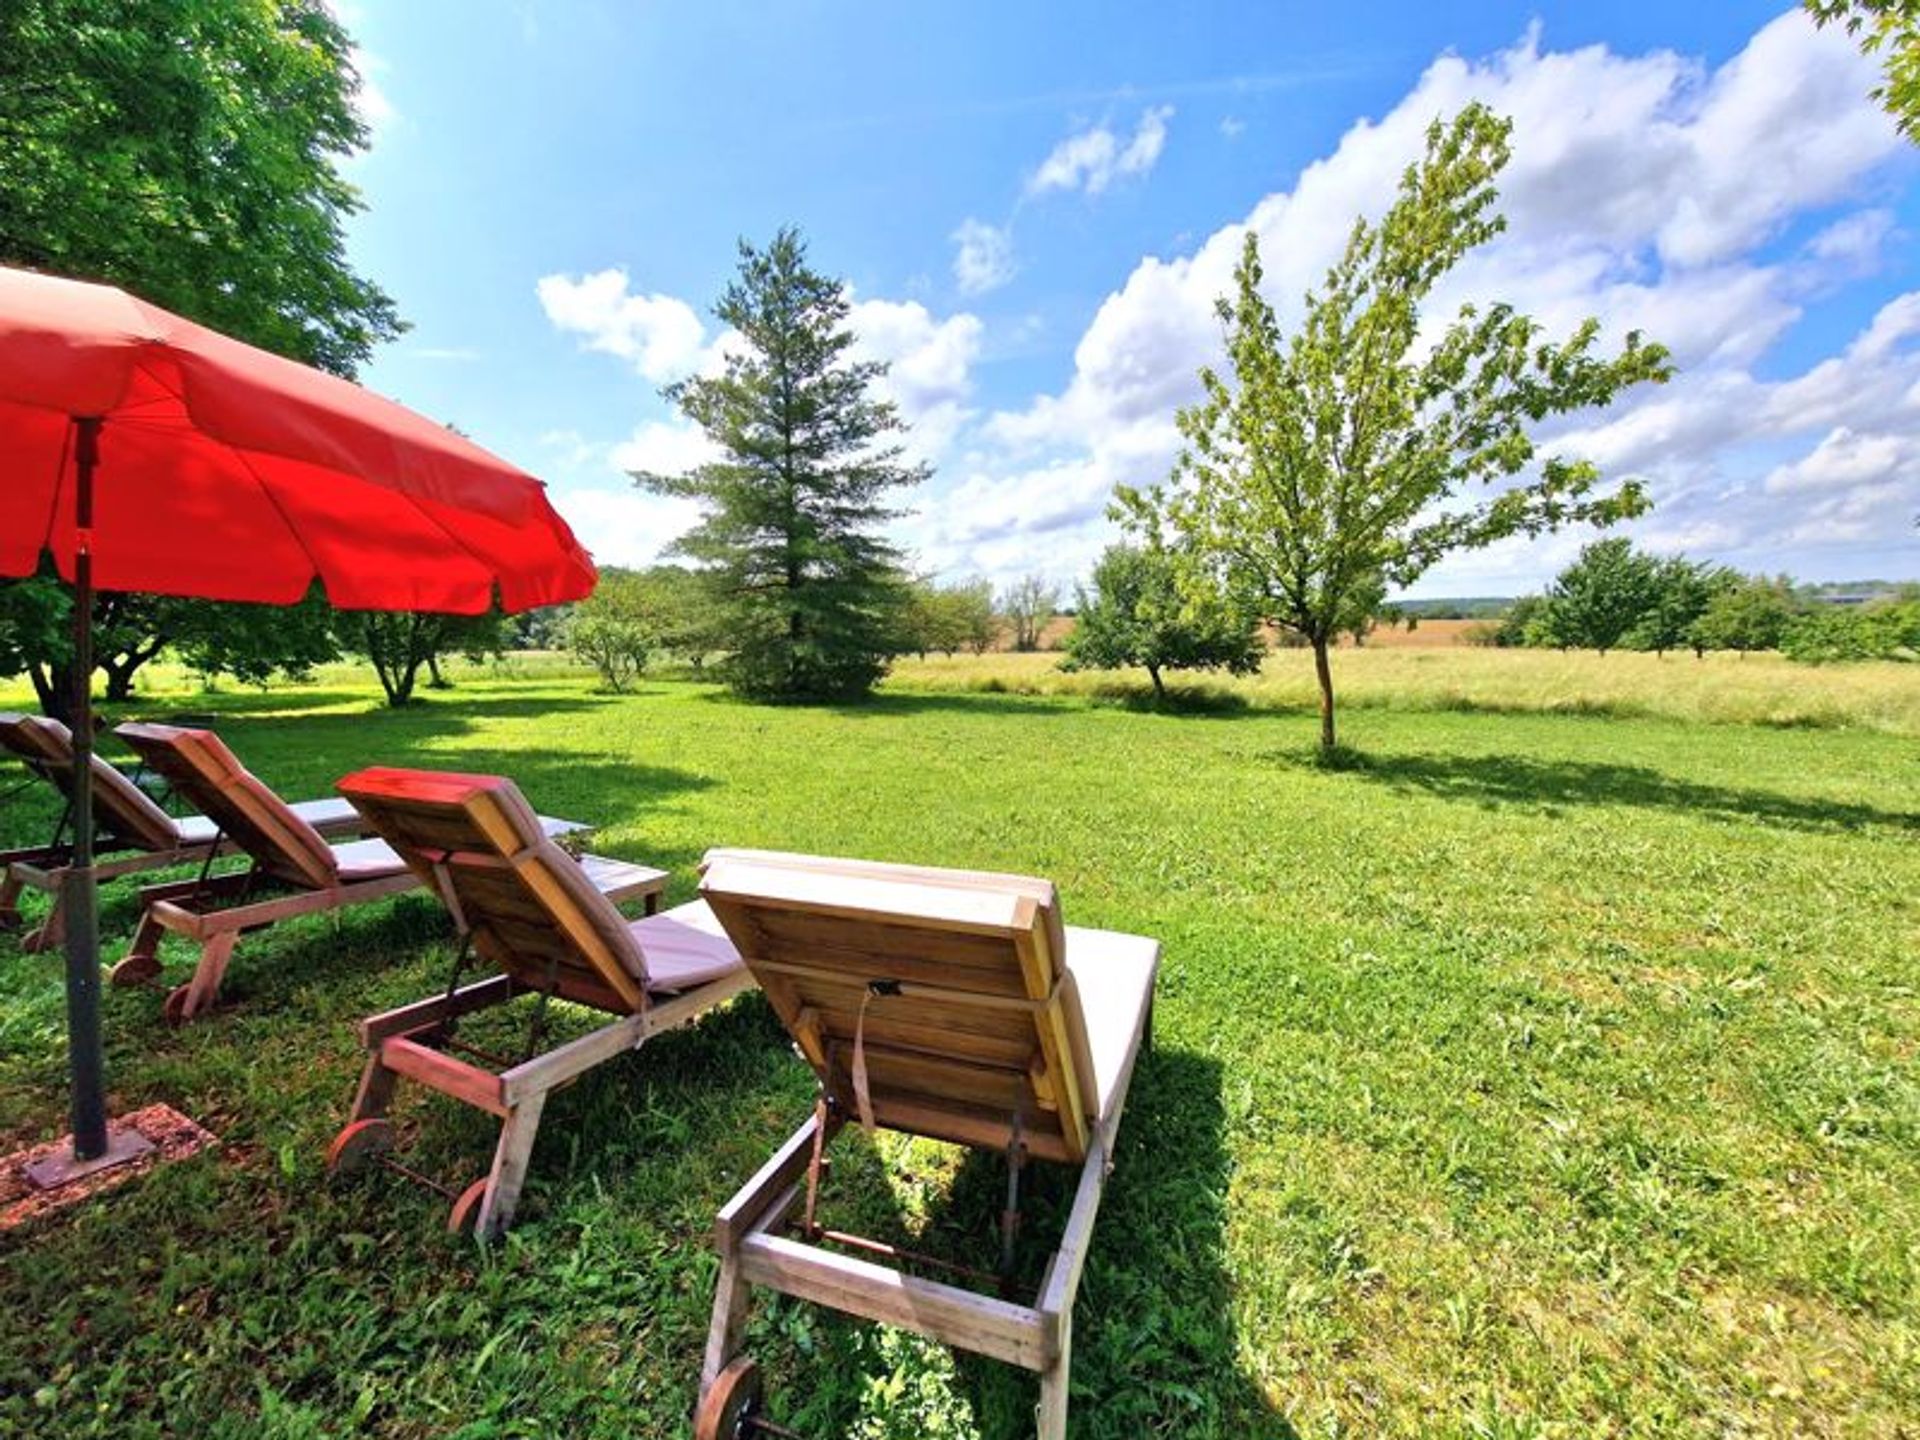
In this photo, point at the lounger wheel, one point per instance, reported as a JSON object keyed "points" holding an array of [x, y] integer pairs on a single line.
{"points": [[466, 1210], [134, 970], [727, 1409], [356, 1144]]}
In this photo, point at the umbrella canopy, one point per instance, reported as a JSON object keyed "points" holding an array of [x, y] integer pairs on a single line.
{"points": [[145, 452], [231, 474]]}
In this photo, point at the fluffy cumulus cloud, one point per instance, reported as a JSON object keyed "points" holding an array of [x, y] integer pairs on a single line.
{"points": [[1092, 159], [660, 335], [1645, 189]]}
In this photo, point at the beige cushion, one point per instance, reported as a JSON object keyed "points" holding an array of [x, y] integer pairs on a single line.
{"points": [[684, 947]]}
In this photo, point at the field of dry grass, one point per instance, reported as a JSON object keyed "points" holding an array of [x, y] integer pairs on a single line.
{"points": [[1720, 689]]}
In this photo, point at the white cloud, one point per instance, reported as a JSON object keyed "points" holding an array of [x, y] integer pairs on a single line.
{"points": [[661, 335], [625, 526], [983, 256], [1232, 128], [930, 366], [663, 447], [371, 103], [1092, 159], [1643, 189]]}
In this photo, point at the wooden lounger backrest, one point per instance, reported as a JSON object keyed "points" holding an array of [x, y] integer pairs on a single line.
{"points": [[950, 984], [248, 811], [530, 908], [126, 813]]}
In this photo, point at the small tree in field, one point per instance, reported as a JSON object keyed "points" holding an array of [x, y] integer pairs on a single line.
{"points": [[805, 586], [1342, 453], [1137, 614], [1029, 604], [1750, 614], [1602, 595]]}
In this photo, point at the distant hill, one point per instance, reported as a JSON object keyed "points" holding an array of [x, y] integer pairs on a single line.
{"points": [[1471, 607]]}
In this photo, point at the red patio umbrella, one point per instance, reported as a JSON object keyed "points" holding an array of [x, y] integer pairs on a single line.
{"points": [[145, 452]]}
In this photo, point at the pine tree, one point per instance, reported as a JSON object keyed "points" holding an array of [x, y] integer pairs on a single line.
{"points": [[808, 588]]}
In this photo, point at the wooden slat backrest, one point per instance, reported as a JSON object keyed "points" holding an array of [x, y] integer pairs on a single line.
{"points": [[530, 908], [986, 1024], [198, 764], [127, 814]]}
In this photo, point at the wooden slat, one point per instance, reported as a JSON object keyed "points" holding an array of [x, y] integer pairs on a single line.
{"points": [[752, 1201], [980, 1324], [438, 1071]]}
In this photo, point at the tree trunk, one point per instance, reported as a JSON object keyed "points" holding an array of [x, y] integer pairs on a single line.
{"points": [[53, 688], [435, 680], [120, 677], [1323, 672], [1159, 689]]}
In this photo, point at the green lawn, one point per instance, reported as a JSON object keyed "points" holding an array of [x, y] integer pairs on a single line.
{"points": [[1530, 1075]]}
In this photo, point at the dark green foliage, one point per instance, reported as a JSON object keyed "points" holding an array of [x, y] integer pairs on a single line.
{"points": [[253, 643], [189, 150], [1679, 594], [1595, 601], [1516, 623], [1854, 632], [1330, 460], [805, 588], [1137, 614]]}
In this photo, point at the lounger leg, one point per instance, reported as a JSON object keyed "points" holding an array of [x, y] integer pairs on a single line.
{"points": [[9, 900], [731, 1299], [207, 975], [51, 933], [1052, 1409], [375, 1094], [510, 1166], [142, 960]]}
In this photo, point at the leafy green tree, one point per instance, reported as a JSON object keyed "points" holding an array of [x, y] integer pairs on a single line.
{"points": [[949, 618], [1601, 596], [1679, 593], [1751, 613], [1030, 602], [618, 649], [1342, 452], [1138, 614], [1511, 630], [804, 582], [254, 643], [1826, 634], [1890, 28], [188, 150], [401, 643]]}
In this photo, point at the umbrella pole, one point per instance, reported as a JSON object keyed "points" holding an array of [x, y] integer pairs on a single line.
{"points": [[93, 1147], [77, 886]]}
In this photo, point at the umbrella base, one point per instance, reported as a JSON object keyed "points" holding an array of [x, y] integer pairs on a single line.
{"points": [[124, 1144]]}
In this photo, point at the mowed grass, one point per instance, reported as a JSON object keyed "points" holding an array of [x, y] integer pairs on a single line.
{"points": [[1527, 1075]]}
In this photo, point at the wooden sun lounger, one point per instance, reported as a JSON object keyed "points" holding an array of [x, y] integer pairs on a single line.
{"points": [[294, 870], [546, 921], [950, 1004], [133, 834]]}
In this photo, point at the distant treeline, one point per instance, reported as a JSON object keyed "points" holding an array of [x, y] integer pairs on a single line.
{"points": [[1614, 597]]}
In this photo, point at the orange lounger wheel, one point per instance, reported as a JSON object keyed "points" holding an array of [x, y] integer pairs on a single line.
{"points": [[728, 1408], [356, 1144]]}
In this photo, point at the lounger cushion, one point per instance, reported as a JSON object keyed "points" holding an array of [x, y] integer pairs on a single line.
{"points": [[1114, 976], [366, 860], [685, 947]]}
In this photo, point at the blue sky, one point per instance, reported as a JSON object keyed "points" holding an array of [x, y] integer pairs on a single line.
{"points": [[1035, 204]]}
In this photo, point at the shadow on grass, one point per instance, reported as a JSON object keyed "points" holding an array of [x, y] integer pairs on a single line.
{"points": [[1154, 1345], [1495, 780]]}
